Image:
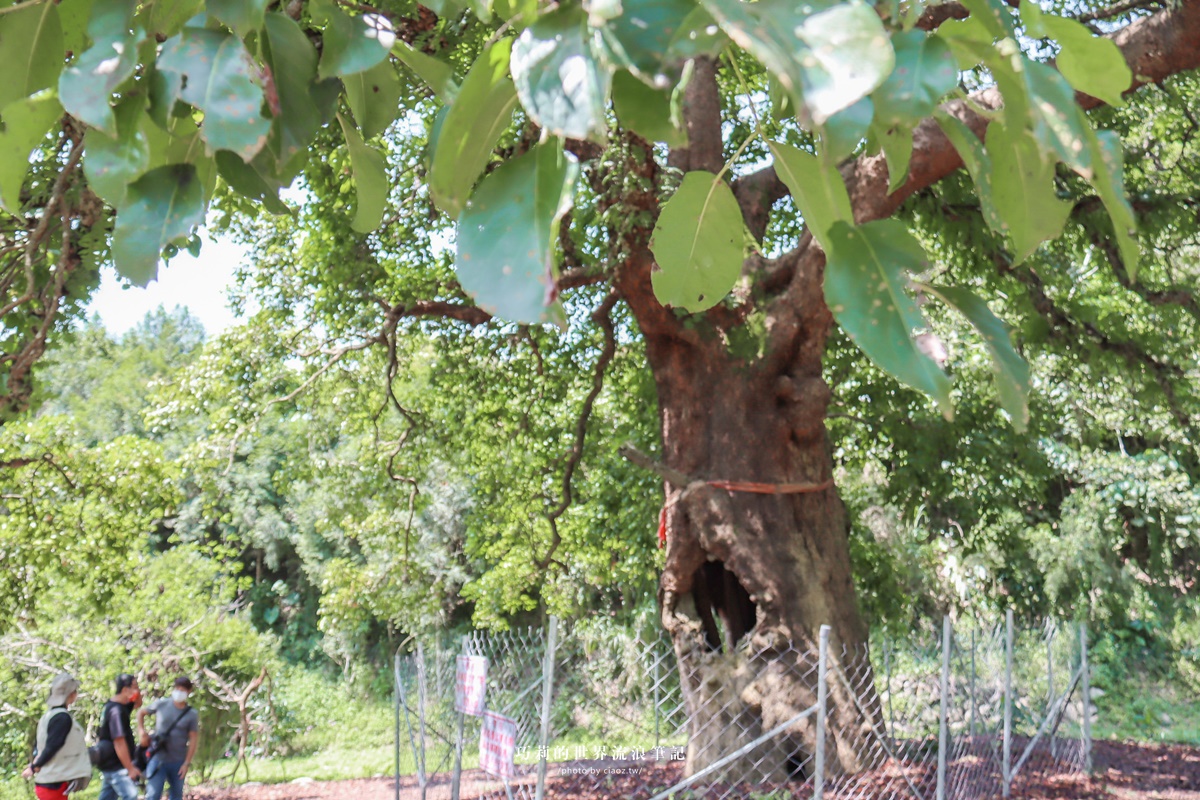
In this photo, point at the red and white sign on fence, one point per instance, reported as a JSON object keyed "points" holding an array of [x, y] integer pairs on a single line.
{"points": [[470, 685], [498, 745]]}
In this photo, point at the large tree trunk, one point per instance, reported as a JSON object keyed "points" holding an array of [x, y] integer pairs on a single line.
{"points": [[750, 577]]}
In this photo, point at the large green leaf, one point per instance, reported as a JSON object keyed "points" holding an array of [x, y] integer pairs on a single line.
{"points": [[1092, 64], [164, 18], [827, 55], [437, 74], [248, 181], [181, 143], [646, 111], [561, 83], [161, 206], [85, 87], [698, 37], [644, 30], [112, 163], [221, 79], [31, 50], [817, 188], [925, 71], [508, 231], [26, 123], [896, 142], [1023, 189], [472, 127], [697, 244], [74, 15], [351, 44], [374, 97], [977, 162], [1107, 178], [370, 180], [1056, 124], [842, 132], [1010, 370], [867, 270], [292, 64], [242, 16]]}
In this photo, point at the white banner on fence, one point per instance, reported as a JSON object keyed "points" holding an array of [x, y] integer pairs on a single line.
{"points": [[470, 685], [497, 745]]}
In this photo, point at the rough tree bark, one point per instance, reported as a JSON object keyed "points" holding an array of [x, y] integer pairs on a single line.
{"points": [[766, 570]]}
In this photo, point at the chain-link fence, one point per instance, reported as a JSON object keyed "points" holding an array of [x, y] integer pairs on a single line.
{"points": [[585, 712]]}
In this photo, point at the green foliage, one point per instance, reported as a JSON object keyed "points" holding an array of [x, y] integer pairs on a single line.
{"points": [[26, 123], [370, 180]]}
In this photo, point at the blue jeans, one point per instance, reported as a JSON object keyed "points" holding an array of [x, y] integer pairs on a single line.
{"points": [[117, 785], [163, 772]]}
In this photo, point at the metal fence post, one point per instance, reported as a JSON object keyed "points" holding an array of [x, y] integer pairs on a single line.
{"points": [[456, 777], [547, 695], [396, 690], [657, 711], [421, 780], [972, 687], [943, 726], [1087, 699], [1050, 634], [822, 701], [1006, 772]]}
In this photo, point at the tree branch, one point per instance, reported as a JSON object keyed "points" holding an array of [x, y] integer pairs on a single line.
{"points": [[603, 317], [1155, 48]]}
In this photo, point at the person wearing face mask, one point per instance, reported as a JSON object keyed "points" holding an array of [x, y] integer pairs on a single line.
{"points": [[176, 735], [61, 765], [117, 770]]}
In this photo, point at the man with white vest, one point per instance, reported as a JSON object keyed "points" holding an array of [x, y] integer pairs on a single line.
{"points": [[61, 765]]}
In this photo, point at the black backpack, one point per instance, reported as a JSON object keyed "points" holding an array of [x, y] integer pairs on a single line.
{"points": [[103, 754]]}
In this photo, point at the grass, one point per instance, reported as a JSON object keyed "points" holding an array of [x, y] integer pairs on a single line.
{"points": [[1150, 712]]}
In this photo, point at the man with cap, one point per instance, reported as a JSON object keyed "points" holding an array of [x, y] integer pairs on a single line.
{"points": [[61, 765], [176, 735]]}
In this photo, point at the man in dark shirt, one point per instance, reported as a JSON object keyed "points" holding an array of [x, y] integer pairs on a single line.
{"points": [[118, 773]]}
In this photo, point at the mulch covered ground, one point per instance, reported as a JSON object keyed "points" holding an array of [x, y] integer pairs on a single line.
{"points": [[1123, 772]]}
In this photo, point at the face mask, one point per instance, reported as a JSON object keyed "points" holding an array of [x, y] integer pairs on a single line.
{"points": [[135, 698], [179, 696]]}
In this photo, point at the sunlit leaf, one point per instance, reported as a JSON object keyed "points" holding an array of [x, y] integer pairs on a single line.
{"points": [[472, 127], [112, 163], [242, 16], [817, 188], [31, 50], [643, 31], [1092, 64], [842, 132], [85, 87], [374, 98], [161, 206], [977, 162], [561, 83], [221, 79], [1010, 370], [508, 232], [26, 123], [351, 44], [292, 62], [867, 271], [828, 56], [646, 110], [1023, 189], [925, 71], [437, 74], [370, 180], [697, 244]]}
